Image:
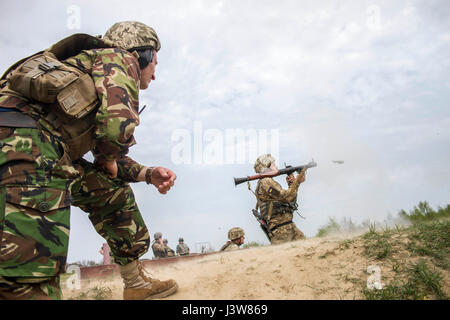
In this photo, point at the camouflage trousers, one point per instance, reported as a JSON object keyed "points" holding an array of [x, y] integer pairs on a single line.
{"points": [[38, 184], [45, 290], [286, 233]]}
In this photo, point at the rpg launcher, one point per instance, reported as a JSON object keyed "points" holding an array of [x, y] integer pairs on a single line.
{"points": [[275, 173]]}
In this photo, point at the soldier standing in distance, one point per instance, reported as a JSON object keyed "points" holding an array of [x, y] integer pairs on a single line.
{"points": [[276, 204], [236, 238], [182, 248], [169, 250], [42, 172], [159, 251]]}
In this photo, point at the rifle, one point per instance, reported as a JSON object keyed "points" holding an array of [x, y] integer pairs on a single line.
{"points": [[270, 174]]}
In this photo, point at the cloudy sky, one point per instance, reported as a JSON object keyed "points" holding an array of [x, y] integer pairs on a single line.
{"points": [[366, 82]]}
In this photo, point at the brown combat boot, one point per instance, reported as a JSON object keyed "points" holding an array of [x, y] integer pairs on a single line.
{"points": [[140, 287]]}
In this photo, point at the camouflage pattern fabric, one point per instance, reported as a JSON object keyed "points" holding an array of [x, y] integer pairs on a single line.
{"points": [[113, 212], [263, 162], [159, 251], [132, 34], [34, 204], [286, 233], [235, 233], [229, 246], [116, 77], [39, 182], [182, 249], [169, 250], [12, 290], [34, 220], [128, 169], [268, 190]]}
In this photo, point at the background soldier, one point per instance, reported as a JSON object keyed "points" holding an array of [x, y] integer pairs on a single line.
{"points": [[42, 172], [276, 204], [236, 238], [182, 248], [159, 250], [169, 250]]}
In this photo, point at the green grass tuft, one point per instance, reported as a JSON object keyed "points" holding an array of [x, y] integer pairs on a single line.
{"points": [[252, 244], [96, 293], [433, 240]]}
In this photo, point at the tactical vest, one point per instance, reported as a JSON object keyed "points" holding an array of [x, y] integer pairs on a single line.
{"points": [[72, 113], [182, 249], [278, 207], [170, 252]]}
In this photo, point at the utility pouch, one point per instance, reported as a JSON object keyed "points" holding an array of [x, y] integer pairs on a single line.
{"points": [[43, 78], [78, 98]]}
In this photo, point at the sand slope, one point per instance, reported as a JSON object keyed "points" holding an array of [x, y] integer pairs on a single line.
{"points": [[316, 268]]}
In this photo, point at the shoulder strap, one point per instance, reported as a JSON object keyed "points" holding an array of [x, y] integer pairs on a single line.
{"points": [[254, 193], [250, 188], [269, 213], [226, 245], [66, 48], [74, 44]]}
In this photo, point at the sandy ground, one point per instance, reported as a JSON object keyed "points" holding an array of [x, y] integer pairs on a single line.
{"points": [[316, 268]]}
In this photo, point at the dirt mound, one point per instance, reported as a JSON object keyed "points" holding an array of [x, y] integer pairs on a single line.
{"points": [[306, 269], [407, 263]]}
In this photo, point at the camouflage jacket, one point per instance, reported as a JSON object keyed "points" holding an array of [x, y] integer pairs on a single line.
{"points": [[283, 201], [116, 77], [182, 249], [170, 252], [159, 251], [229, 246]]}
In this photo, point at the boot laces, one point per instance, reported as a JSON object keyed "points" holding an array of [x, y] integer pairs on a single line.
{"points": [[143, 273]]}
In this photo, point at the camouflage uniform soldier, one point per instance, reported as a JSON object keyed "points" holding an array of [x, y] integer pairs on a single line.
{"points": [[169, 250], [276, 204], [236, 238], [159, 251], [182, 248], [42, 171]]}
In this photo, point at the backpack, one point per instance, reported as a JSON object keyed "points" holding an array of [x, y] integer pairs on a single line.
{"points": [[45, 78], [66, 91]]}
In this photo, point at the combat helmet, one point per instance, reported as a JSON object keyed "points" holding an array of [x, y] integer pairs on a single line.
{"points": [[157, 235], [132, 34], [181, 239], [235, 233], [263, 162]]}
